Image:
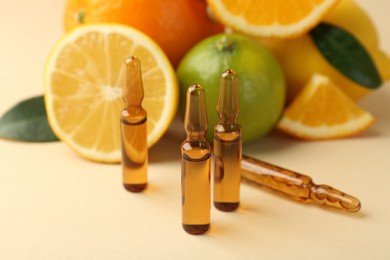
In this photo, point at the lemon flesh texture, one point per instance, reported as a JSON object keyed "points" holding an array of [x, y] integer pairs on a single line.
{"points": [[260, 79], [83, 88]]}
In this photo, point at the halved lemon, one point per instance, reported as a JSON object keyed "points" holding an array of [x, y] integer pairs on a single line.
{"points": [[322, 111], [270, 18], [83, 80]]}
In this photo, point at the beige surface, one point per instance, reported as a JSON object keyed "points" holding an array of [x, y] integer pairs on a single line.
{"points": [[55, 205]]}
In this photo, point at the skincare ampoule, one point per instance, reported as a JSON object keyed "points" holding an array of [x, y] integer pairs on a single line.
{"points": [[295, 185], [133, 129], [227, 145], [195, 165]]}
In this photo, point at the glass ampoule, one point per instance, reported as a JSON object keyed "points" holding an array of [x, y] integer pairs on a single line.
{"points": [[133, 129], [195, 165], [295, 185], [227, 145]]}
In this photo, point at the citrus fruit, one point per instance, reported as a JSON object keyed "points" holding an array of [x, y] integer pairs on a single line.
{"points": [[83, 88], [291, 53], [268, 18], [322, 111], [175, 25], [260, 79]]}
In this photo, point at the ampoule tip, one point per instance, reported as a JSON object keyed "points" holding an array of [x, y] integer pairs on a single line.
{"points": [[131, 60], [229, 74]]}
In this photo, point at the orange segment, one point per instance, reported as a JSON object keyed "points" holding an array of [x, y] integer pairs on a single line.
{"points": [[322, 111], [269, 18], [83, 88]]}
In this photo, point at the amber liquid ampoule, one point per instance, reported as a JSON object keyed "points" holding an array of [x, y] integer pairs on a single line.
{"points": [[195, 165], [227, 145], [133, 129], [297, 186]]}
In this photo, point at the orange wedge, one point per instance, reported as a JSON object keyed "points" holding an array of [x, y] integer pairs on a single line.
{"points": [[322, 111], [83, 88], [270, 18]]}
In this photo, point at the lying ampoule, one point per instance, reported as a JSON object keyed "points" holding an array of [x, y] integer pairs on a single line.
{"points": [[195, 165], [298, 186], [133, 129], [227, 145]]}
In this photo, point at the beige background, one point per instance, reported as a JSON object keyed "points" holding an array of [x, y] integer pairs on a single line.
{"points": [[56, 205]]}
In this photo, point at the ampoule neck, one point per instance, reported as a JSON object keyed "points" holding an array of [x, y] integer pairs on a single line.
{"points": [[196, 136], [228, 120], [228, 100], [195, 120], [133, 92]]}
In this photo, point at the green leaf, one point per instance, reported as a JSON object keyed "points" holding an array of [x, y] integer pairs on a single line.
{"points": [[27, 121], [346, 54]]}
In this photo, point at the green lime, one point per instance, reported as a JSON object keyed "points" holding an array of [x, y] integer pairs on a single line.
{"points": [[260, 78]]}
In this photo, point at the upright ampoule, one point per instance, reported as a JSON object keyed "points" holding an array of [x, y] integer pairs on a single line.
{"points": [[295, 185], [195, 165], [227, 145], [133, 129]]}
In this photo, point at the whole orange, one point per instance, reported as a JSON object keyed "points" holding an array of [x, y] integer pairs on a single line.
{"points": [[176, 25]]}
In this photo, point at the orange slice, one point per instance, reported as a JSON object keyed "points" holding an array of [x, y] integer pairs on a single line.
{"points": [[322, 111], [270, 18], [83, 88]]}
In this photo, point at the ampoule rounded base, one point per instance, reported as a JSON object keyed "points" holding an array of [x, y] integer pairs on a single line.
{"points": [[135, 187], [196, 229], [226, 206]]}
